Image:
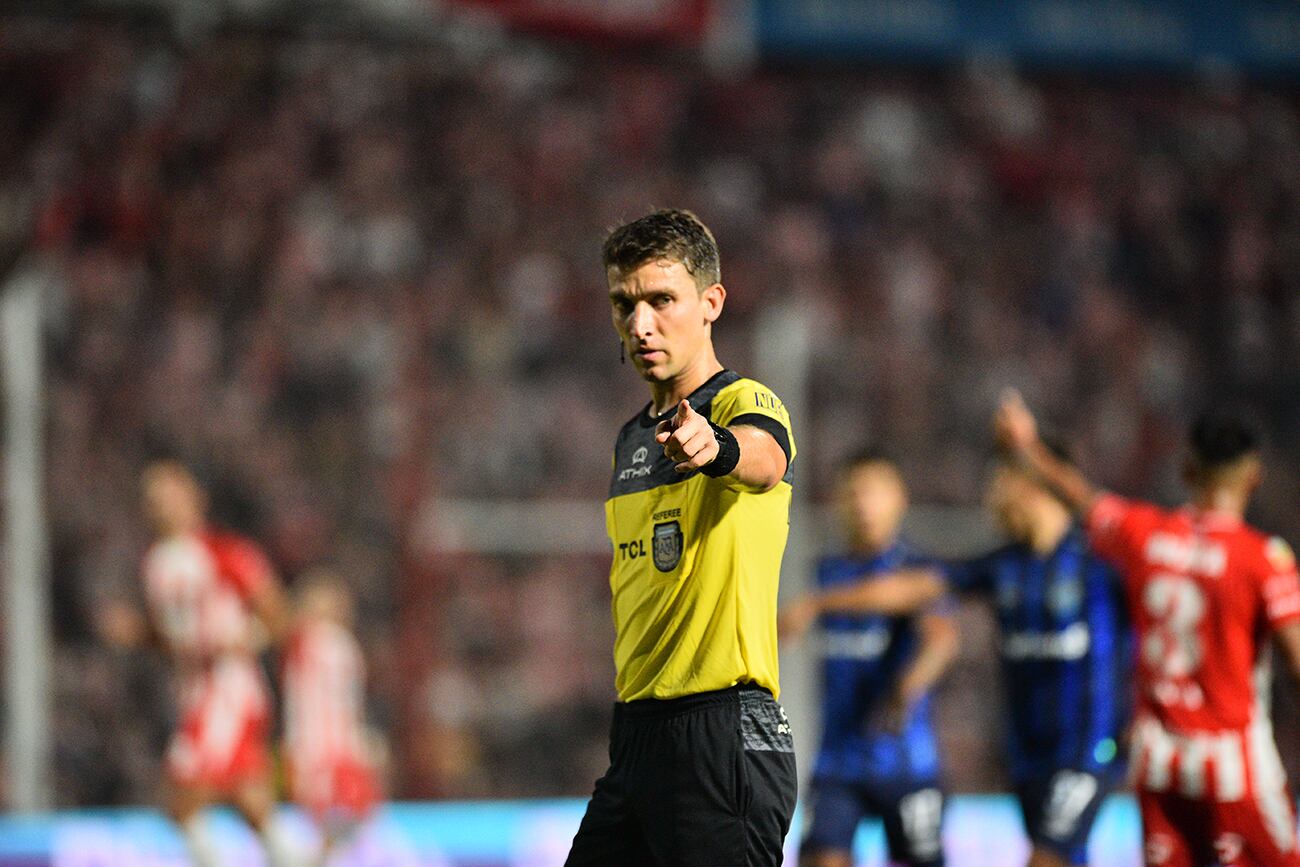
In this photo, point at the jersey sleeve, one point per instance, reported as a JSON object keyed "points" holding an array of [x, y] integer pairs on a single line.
{"points": [[751, 403], [243, 564], [1117, 528], [1279, 584], [945, 605]]}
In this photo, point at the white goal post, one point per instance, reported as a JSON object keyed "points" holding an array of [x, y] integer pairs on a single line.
{"points": [[25, 571]]}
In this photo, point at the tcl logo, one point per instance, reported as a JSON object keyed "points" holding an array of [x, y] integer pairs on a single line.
{"points": [[632, 550]]}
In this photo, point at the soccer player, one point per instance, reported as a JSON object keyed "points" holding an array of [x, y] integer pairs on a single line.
{"points": [[1064, 652], [212, 597], [701, 757], [1204, 590], [331, 772], [878, 755], [1066, 655]]}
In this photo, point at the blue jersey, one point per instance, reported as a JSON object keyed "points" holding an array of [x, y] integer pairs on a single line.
{"points": [[1065, 648], [863, 656]]}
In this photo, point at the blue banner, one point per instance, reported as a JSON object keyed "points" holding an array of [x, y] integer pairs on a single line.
{"points": [[1255, 35], [979, 831]]}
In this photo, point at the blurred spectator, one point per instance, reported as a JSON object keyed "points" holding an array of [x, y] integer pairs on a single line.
{"points": [[350, 280]]}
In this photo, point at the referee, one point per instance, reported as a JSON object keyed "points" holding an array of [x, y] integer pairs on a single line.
{"points": [[701, 758]]}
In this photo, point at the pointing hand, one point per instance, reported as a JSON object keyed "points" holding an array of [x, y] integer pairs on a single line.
{"points": [[687, 438]]}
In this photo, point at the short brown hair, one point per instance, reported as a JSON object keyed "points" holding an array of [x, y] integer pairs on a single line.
{"points": [[1219, 438], [668, 233]]}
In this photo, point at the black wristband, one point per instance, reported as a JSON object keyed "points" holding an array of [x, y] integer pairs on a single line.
{"points": [[728, 453]]}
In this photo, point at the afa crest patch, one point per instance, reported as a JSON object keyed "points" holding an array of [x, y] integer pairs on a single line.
{"points": [[667, 545], [1279, 554]]}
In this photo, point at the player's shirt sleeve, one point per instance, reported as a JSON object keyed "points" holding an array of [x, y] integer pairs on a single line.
{"points": [[1279, 584], [974, 575], [751, 403], [242, 563], [1117, 528]]}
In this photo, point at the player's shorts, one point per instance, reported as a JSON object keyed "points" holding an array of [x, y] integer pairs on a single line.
{"points": [[912, 816], [221, 741], [341, 787], [705, 780], [1180, 832], [1059, 811]]}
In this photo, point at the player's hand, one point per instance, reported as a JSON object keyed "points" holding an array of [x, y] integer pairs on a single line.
{"points": [[1013, 423], [796, 619], [687, 438]]}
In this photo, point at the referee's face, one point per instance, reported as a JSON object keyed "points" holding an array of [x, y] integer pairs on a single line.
{"points": [[662, 317]]}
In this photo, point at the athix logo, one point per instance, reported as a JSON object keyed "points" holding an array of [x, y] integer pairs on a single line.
{"points": [[783, 728], [640, 465]]}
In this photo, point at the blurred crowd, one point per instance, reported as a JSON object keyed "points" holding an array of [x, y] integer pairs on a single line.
{"points": [[348, 282]]}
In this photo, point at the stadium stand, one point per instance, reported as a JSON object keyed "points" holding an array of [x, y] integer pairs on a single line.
{"points": [[348, 280]]}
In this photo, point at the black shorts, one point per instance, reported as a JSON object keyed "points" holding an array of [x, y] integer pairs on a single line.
{"points": [[911, 813], [705, 780], [1060, 808]]}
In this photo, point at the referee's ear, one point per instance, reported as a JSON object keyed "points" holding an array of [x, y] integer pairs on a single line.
{"points": [[713, 298]]}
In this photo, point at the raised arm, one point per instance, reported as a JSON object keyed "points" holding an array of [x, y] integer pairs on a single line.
{"points": [[1017, 432], [744, 455], [903, 592]]}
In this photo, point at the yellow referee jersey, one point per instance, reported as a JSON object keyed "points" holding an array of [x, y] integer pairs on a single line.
{"points": [[696, 561]]}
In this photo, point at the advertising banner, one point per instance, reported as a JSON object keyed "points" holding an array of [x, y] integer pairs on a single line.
{"points": [[1257, 35]]}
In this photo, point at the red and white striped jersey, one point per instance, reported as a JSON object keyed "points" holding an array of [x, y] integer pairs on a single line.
{"points": [[1204, 590], [324, 695], [198, 587]]}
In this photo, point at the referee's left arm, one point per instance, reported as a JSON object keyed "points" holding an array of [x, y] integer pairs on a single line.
{"points": [[744, 455]]}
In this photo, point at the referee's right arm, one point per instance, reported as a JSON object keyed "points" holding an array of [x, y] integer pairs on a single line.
{"points": [[688, 438]]}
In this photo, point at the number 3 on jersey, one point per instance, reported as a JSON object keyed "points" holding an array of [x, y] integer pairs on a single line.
{"points": [[1172, 647]]}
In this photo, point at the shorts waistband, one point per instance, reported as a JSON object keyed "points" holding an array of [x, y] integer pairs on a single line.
{"points": [[658, 708]]}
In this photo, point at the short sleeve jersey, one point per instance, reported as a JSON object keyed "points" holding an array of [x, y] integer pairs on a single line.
{"points": [[1065, 651], [199, 586], [324, 700], [863, 656], [696, 559], [1203, 588]]}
